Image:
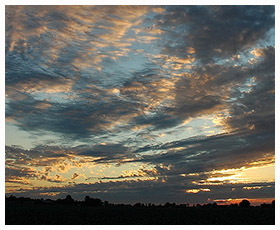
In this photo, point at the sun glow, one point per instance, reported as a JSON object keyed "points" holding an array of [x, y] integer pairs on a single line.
{"points": [[262, 173]]}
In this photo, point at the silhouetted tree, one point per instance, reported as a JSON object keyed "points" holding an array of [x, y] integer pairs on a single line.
{"points": [[264, 205], [244, 204], [137, 205], [233, 205], [106, 203], [69, 200], [24, 199], [167, 205], [11, 198], [93, 201], [87, 199]]}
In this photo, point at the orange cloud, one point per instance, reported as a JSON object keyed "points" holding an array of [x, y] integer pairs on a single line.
{"points": [[198, 190], [46, 86], [257, 52]]}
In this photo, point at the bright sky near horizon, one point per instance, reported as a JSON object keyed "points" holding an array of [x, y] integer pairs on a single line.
{"points": [[141, 103]]}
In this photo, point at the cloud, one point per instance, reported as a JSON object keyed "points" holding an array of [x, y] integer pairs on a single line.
{"points": [[216, 31], [22, 155], [208, 153], [110, 82], [62, 158], [171, 99], [154, 191], [23, 172], [56, 179], [77, 119]]}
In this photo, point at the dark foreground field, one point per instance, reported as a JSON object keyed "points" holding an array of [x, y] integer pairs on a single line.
{"points": [[55, 214]]}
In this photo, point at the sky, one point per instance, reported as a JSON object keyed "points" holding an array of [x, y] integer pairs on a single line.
{"points": [[147, 104]]}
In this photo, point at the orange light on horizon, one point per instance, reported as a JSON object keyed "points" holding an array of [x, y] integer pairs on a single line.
{"points": [[253, 201]]}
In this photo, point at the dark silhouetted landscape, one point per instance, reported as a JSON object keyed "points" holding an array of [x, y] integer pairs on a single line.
{"points": [[93, 211]]}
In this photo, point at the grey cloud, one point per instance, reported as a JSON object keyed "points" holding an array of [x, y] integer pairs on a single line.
{"points": [[256, 109], [216, 31], [158, 121], [154, 192], [19, 172], [208, 153], [18, 157], [99, 150], [109, 153], [189, 102], [48, 154], [77, 119], [44, 151]]}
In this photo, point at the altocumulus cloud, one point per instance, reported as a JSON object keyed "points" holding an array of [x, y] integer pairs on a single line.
{"points": [[119, 88]]}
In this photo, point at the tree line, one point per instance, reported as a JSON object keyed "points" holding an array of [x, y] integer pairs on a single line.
{"points": [[96, 202]]}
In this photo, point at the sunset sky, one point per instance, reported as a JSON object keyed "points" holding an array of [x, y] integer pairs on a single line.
{"points": [[148, 104]]}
